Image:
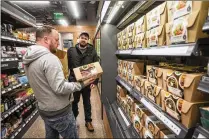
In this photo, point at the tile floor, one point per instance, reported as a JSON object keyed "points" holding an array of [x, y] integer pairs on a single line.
{"points": [[37, 130]]}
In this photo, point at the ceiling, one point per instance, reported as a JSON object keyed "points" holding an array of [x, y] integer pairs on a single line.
{"points": [[44, 12]]}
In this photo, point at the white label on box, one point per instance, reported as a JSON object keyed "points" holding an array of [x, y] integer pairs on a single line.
{"points": [[173, 113], [124, 118], [181, 8], [179, 30], [175, 91], [200, 136]]}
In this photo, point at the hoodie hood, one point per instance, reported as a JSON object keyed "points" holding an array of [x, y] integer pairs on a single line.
{"points": [[33, 53]]}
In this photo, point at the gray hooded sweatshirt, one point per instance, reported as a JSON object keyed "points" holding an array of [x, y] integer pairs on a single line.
{"points": [[45, 75]]}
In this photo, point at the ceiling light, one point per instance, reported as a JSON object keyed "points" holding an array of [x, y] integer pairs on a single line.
{"points": [[63, 22], [104, 9], [32, 2], [114, 10], [74, 6]]}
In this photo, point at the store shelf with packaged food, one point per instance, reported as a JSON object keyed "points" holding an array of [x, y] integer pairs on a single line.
{"points": [[13, 107], [16, 40], [177, 128]]}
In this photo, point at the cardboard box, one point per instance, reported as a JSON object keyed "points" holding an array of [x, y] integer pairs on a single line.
{"points": [[62, 55], [124, 75], [120, 63], [186, 29], [131, 30], [119, 44], [125, 34], [140, 40], [123, 103], [147, 134], [153, 92], [166, 134], [178, 9], [120, 72], [130, 78], [184, 85], [130, 43], [155, 75], [140, 25], [153, 125], [186, 112], [136, 68], [125, 65], [139, 111], [137, 124], [139, 83], [84, 72], [156, 36], [157, 16]]}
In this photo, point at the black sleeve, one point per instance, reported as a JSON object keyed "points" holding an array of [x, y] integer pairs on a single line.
{"points": [[70, 67]]}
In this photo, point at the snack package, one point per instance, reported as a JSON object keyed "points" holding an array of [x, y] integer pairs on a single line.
{"points": [[139, 83], [140, 40]]}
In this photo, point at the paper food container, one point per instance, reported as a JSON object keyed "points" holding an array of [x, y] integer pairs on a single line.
{"points": [[137, 124], [185, 112], [84, 72], [156, 36], [147, 134], [131, 30], [186, 29], [140, 25], [140, 40], [157, 16], [62, 55], [139, 82], [153, 92], [136, 68], [178, 9], [184, 85], [130, 78], [130, 43], [124, 75]]}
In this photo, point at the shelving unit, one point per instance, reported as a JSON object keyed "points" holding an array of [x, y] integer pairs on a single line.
{"points": [[178, 129], [19, 18], [16, 107], [23, 126], [200, 133], [16, 40]]}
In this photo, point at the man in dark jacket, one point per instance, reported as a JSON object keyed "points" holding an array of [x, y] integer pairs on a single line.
{"points": [[83, 53]]}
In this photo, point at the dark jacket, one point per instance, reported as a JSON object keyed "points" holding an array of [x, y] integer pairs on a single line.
{"points": [[77, 59]]}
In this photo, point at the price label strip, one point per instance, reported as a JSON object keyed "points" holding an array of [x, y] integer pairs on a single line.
{"points": [[200, 136], [124, 117], [160, 116]]}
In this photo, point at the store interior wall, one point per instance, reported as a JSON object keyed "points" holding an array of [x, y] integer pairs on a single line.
{"points": [[64, 36]]}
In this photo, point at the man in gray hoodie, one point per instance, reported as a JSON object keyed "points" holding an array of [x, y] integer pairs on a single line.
{"points": [[52, 91]]}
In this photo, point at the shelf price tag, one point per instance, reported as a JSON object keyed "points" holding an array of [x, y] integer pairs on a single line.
{"points": [[19, 129], [200, 136], [124, 117]]}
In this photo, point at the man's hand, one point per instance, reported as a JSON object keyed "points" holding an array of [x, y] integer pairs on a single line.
{"points": [[92, 86], [89, 81]]}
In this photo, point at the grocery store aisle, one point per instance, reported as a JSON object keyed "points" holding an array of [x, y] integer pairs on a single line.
{"points": [[37, 130]]}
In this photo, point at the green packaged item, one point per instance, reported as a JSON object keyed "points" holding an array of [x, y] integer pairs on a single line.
{"points": [[205, 123], [204, 112]]}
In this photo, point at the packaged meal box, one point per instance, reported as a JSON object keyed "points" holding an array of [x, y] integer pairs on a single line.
{"points": [[137, 124], [130, 43], [131, 30], [186, 29], [147, 134], [157, 16], [156, 36], [125, 33], [178, 9], [130, 78], [84, 72], [120, 71], [140, 40], [123, 103], [139, 110], [125, 44], [184, 85], [136, 68], [153, 92], [120, 63], [125, 65], [140, 25], [124, 75], [185, 112], [139, 83]]}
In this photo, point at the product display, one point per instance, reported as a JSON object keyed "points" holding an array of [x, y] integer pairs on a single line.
{"points": [[139, 83]]}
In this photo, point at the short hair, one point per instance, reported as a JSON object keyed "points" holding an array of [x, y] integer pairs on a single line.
{"points": [[84, 34], [44, 30]]}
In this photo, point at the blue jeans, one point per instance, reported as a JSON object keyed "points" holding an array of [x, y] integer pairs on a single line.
{"points": [[64, 126]]}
